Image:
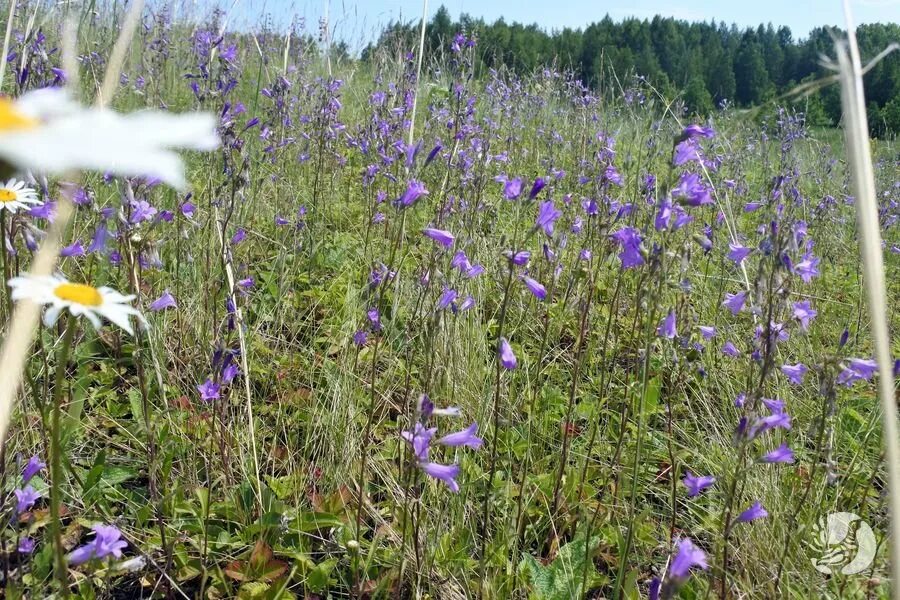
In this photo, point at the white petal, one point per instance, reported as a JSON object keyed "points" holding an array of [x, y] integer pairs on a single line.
{"points": [[102, 140], [95, 321], [120, 318], [52, 314]]}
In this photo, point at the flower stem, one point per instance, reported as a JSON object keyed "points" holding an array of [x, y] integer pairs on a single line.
{"points": [[59, 560]]}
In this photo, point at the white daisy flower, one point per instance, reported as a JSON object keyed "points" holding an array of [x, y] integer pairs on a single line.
{"points": [[14, 196], [44, 130], [78, 298]]}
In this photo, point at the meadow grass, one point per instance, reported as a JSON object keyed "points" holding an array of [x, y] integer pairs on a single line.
{"points": [[295, 230]]}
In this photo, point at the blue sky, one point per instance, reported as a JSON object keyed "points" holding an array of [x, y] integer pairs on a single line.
{"points": [[356, 20]]}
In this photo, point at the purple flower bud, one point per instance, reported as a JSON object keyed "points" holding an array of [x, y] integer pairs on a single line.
{"points": [[507, 358], [432, 154], [32, 468], [536, 188]]}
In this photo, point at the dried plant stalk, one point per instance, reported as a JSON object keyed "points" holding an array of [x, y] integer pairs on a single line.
{"points": [[856, 134]]}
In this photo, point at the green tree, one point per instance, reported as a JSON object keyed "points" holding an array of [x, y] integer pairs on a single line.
{"points": [[697, 98], [752, 80]]}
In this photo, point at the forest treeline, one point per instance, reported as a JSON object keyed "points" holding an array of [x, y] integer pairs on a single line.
{"points": [[706, 63]]}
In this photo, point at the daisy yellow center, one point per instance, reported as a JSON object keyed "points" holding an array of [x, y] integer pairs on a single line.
{"points": [[11, 119], [79, 294], [7, 196]]}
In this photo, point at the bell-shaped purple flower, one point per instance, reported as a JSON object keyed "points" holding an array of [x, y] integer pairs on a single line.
{"points": [[857, 369], [442, 237], [26, 545], [630, 240], [695, 485], [98, 242], [520, 258], [667, 329], [446, 299], [547, 215], [445, 473], [25, 498], [687, 557], [414, 190], [167, 300], [708, 332], [754, 512], [694, 130], [466, 437], [807, 268], [735, 302], [539, 291], [107, 542], [737, 252], [209, 390], [74, 249], [803, 312], [781, 454], [512, 188], [420, 440], [795, 373]]}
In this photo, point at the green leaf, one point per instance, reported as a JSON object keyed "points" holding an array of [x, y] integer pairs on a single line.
{"points": [[307, 522], [93, 476], [318, 578], [137, 408], [651, 396], [564, 577]]}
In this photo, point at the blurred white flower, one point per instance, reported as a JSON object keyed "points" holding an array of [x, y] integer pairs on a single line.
{"points": [[14, 196], [80, 300], [45, 130], [132, 565]]}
